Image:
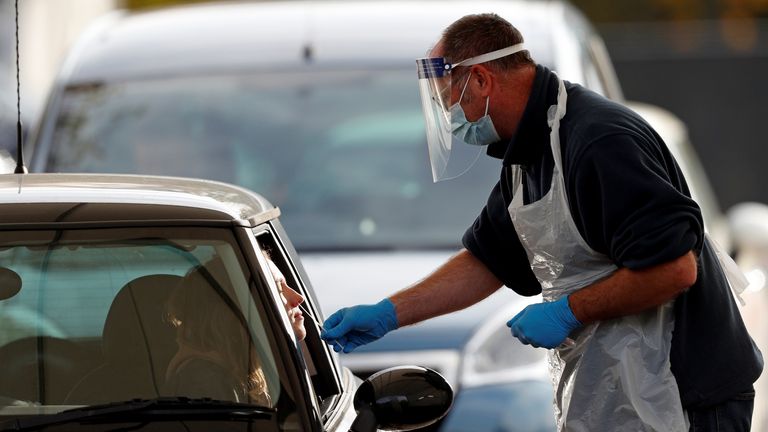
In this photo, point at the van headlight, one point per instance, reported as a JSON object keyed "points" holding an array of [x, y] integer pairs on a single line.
{"points": [[493, 355]]}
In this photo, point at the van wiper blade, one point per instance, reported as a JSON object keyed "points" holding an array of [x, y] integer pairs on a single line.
{"points": [[169, 408]]}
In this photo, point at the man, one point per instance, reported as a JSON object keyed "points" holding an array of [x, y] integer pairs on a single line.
{"points": [[592, 212]]}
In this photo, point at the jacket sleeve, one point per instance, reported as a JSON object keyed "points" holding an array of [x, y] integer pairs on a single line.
{"points": [[630, 201], [492, 239]]}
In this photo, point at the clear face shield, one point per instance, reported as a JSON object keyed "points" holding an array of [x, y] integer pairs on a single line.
{"points": [[454, 142]]}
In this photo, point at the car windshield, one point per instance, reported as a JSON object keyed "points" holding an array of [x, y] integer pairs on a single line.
{"points": [[342, 153], [90, 316]]}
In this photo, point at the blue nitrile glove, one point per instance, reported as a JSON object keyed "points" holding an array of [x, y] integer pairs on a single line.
{"points": [[544, 324], [351, 327]]}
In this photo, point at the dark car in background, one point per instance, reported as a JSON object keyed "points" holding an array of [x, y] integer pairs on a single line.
{"points": [[316, 105]]}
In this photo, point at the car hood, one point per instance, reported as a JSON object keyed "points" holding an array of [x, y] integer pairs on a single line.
{"points": [[347, 279]]}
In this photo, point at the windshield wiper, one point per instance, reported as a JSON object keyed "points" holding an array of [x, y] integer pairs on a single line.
{"points": [[169, 408]]}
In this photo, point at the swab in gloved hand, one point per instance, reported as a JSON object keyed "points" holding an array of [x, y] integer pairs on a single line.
{"points": [[318, 325], [358, 325]]}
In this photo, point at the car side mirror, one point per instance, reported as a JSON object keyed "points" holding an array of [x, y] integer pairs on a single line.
{"points": [[401, 398]]}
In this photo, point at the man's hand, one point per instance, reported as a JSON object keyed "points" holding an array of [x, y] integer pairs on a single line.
{"points": [[351, 327], [544, 325]]}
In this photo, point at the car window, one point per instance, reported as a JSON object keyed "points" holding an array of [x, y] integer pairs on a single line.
{"points": [[115, 314], [315, 353]]}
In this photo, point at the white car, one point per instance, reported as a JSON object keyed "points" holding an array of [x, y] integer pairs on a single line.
{"points": [[316, 105]]}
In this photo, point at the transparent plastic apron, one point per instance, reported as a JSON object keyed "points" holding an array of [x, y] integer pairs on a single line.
{"points": [[616, 375]]}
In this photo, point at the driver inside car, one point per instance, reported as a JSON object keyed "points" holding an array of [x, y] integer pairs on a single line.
{"points": [[216, 357], [212, 360]]}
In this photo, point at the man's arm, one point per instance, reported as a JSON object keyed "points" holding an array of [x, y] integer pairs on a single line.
{"points": [[459, 283], [625, 292], [628, 292], [462, 281]]}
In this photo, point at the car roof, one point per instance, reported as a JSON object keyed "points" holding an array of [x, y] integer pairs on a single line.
{"points": [[247, 35], [126, 199]]}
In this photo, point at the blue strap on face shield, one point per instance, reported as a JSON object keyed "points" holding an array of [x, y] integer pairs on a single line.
{"points": [[433, 67], [436, 67]]}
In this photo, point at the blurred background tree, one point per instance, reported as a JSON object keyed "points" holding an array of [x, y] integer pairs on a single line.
{"points": [[670, 10], [608, 11]]}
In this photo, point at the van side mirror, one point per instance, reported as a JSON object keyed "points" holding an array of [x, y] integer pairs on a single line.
{"points": [[401, 398]]}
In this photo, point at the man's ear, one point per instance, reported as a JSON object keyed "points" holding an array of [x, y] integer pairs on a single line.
{"points": [[483, 79]]}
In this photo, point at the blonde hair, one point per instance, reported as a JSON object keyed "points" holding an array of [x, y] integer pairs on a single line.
{"points": [[209, 323]]}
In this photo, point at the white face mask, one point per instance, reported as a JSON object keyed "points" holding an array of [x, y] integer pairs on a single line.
{"points": [[478, 133]]}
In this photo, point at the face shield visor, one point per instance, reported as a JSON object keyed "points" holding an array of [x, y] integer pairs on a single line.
{"points": [[454, 143]]}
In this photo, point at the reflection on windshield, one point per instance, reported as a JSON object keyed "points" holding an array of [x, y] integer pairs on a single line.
{"points": [[342, 153]]}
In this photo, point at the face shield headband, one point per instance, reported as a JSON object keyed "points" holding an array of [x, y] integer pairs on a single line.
{"points": [[449, 158]]}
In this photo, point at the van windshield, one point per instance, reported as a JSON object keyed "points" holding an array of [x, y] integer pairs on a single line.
{"points": [[342, 153]]}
